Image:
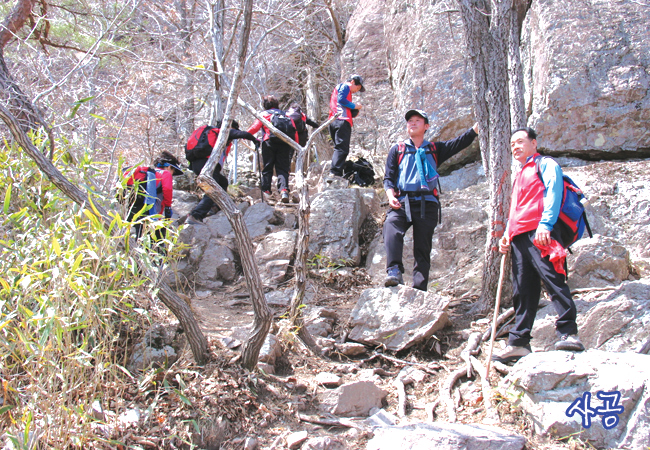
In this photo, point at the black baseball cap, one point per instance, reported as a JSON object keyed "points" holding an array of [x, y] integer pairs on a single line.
{"points": [[358, 81], [412, 112]]}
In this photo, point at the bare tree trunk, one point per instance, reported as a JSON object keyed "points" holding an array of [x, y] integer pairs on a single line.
{"points": [[302, 248], [263, 316], [217, 24], [486, 25], [515, 68], [178, 307]]}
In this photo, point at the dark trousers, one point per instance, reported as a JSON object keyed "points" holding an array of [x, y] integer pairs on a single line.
{"points": [[276, 156], [340, 132], [529, 270], [395, 227], [201, 210]]}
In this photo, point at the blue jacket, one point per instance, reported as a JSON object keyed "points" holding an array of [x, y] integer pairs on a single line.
{"points": [[404, 176]]}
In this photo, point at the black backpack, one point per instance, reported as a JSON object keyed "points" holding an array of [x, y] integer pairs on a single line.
{"points": [[296, 116], [201, 143], [359, 172], [283, 123]]}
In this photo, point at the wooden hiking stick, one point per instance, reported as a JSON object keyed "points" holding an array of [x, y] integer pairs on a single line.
{"points": [[502, 269]]}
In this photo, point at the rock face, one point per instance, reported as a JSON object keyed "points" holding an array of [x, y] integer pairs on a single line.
{"points": [[552, 381], [274, 254], [585, 64], [397, 317], [598, 262], [444, 436]]}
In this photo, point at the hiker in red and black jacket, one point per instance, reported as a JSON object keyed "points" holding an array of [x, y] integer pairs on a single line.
{"points": [[301, 121], [165, 166], [411, 184], [200, 211], [341, 128], [276, 154], [532, 233]]}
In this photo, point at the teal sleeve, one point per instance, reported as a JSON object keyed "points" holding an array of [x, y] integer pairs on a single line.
{"points": [[551, 174]]}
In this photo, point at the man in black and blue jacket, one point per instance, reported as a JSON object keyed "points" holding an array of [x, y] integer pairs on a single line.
{"points": [[411, 182]]}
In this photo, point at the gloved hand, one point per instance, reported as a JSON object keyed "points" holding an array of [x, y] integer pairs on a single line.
{"points": [[168, 212], [256, 142]]}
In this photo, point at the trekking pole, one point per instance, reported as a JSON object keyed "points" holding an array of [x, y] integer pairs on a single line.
{"points": [[259, 171], [502, 270]]}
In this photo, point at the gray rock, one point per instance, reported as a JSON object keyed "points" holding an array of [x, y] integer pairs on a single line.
{"points": [[381, 419], [351, 349], [615, 320], [271, 349], [183, 202], [274, 253], [598, 262], [157, 348], [462, 178], [444, 436], [218, 263], [324, 443], [328, 380], [397, 317], [353, 399], [266, 368], [257, 218], [551, 381], [336, 216], [219, 225], [294, 440]]}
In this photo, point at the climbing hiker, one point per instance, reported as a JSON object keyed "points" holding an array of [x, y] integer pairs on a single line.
{"points": [[276, 154], [152, 190], [198, 150], [341, 128], [534, 235], [411, 184], [301, 121]]}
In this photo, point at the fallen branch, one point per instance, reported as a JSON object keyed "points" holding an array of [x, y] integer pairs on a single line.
{"points": [[331, 421], [485, 388], [430, 408], [400, 383], [472, 348], [428, 368], [445, 392]]}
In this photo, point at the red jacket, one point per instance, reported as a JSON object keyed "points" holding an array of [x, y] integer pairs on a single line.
{"points": [[163, 178], [527, 202]]}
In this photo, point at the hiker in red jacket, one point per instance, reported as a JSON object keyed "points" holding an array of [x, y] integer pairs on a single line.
{"points": [[341, 128], [156, 196], [276, 154], [534, 212]]}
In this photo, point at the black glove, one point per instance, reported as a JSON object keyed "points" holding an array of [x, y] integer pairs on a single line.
{"points": [[168, 212], [256, 143]]}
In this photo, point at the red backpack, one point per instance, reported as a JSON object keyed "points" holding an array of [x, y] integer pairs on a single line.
{"points": [[201, 143]]}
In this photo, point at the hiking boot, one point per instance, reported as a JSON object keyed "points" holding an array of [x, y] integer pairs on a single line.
{"points": [[512, 353], [192, 220], [284, 196], [267, 195], [570, 342], [394, 277]]}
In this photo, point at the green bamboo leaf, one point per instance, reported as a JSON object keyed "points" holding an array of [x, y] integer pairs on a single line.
{"points": [[6, 408], [97, 116], [77, 262], [5, 209]]}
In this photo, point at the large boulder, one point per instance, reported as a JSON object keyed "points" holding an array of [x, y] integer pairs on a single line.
{"points": [[352, 399], [336, 217], [444, 436], [598, 262], [615, 320], [549, 383], [398, 317]]}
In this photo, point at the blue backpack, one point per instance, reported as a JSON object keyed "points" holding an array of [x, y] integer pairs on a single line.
{"points": [[572, 211]]}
